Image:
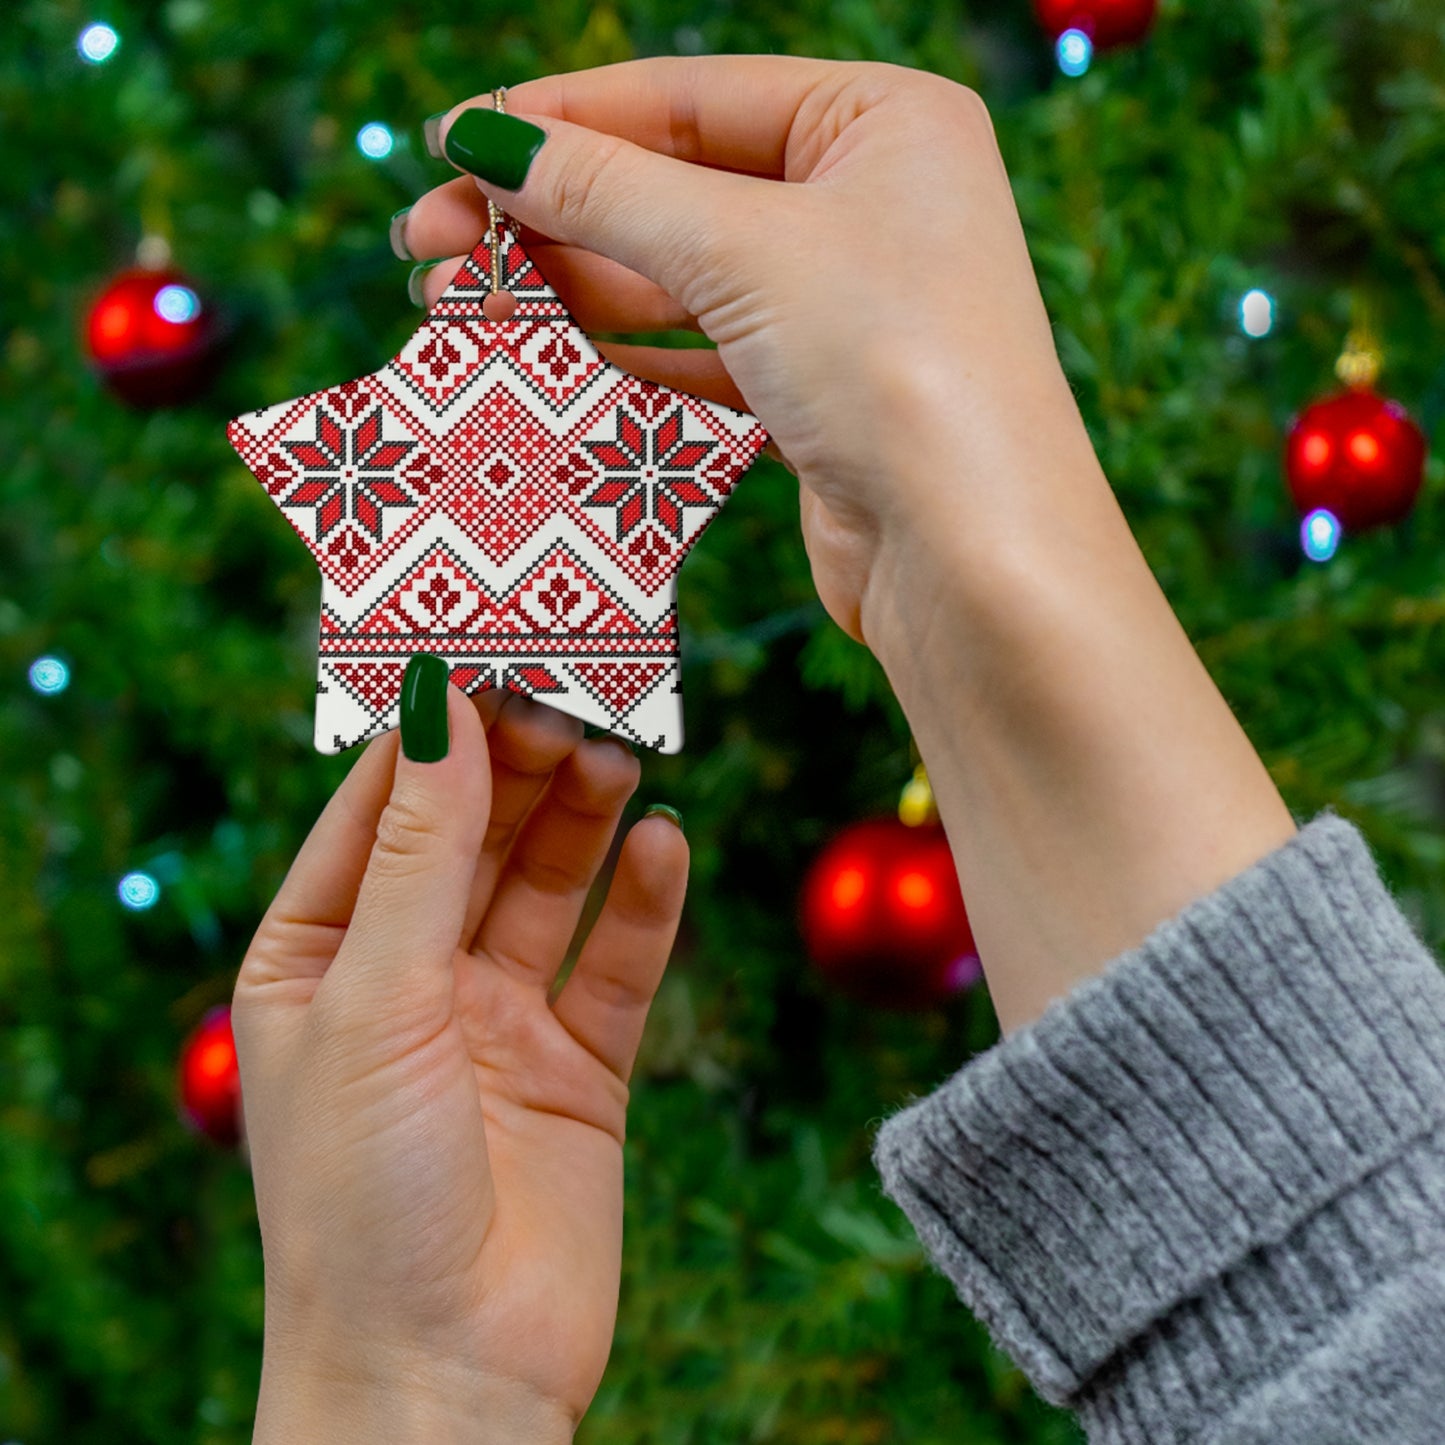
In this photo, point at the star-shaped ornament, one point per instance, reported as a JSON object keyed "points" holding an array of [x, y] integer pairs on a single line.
{"points": [[502, 496]]}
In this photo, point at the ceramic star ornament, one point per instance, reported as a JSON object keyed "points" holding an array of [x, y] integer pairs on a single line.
{"points": [[502, 496]]}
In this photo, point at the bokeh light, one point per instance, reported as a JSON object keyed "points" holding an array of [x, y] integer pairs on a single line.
{"points": [[1320, 535], [849, 887], [914, 889], [138, 891], [375, 140], [1364, 448], [1075, 52], [177, 303], [965, 970], [49, 675], [1256, 313], [97, 43]]}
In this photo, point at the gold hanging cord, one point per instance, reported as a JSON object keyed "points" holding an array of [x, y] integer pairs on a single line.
{"points": [[494, 215]]}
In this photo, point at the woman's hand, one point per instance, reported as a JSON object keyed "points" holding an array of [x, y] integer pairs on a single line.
{"points": [[880, 315], [437, 1148]]}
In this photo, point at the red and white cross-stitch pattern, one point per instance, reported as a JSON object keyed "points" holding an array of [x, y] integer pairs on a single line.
{"points": [[502, 496]]}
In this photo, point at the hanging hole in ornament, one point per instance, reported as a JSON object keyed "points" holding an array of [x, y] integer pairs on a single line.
{"points": [[499, 306]]}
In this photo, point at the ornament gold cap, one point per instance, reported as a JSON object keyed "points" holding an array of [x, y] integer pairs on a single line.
{"points": [[1360, 362], [916, 806], [154, 252]]}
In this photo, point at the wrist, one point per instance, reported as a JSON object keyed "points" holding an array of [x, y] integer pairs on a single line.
{"points": [[417, 1400], [983, 497]]}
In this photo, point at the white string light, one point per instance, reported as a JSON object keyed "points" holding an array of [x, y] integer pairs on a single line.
{"points": [[97, 43]]}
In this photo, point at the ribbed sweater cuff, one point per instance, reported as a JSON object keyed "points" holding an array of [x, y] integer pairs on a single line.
{"points": [[1173, 1120]]}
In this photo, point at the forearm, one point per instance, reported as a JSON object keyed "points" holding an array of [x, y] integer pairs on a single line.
{"points": [[1092, 779]]}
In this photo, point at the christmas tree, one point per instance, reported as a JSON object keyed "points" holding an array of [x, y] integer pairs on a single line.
{"points": [[1212, 212]]}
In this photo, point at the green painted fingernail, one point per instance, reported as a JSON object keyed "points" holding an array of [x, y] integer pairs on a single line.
{"points": [[495, 146], [425, 736], [671, 814], [413, 283], [397, 235], [431, 133]]}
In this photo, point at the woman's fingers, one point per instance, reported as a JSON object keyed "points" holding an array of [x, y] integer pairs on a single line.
{"points": [[605, 296], [302, 929], [742, 112], [426, 287], [298, 936], [527, 742], [602, 295], [605, 1000], [394, 968], [696, 370], [452, 217], [653, 214], [557, 853]]}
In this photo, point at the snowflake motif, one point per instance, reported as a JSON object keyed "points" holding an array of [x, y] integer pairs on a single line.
{"points": [[352, 463], [649, 472]]}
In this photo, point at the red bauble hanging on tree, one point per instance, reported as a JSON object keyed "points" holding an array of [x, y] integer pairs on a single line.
{"points": [[883, 917], [210, 1081], [1107, 23], [152, 338], [1357, 455]]}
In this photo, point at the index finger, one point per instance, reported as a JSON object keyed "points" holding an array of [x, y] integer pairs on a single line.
{"points": [[735, 112]]}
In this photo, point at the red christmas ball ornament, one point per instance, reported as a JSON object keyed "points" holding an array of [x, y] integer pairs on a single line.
{"points": [[152, 338], [883, 917], [210, 1081], [1359, 456], [1107, 23]]}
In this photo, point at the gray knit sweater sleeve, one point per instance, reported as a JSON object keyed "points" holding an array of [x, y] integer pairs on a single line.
{"points": [[1202, 1199]]}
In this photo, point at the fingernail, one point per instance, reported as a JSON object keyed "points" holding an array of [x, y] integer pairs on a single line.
{"points": [[495, 146], [606, 737], [671, 814], [397, 235], [413, 283], [431, 132], [425, 737]]}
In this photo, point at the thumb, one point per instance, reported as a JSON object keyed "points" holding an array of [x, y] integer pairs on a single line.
{"points": [[395, 963], [676, 223]]}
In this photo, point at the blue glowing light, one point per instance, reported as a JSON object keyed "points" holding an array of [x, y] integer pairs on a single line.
{"points": [[97, 43], [1256, 313], [1320, 535], [375, 140], [1075, 52], [177, 304], [138, 891], [49, 675]]}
